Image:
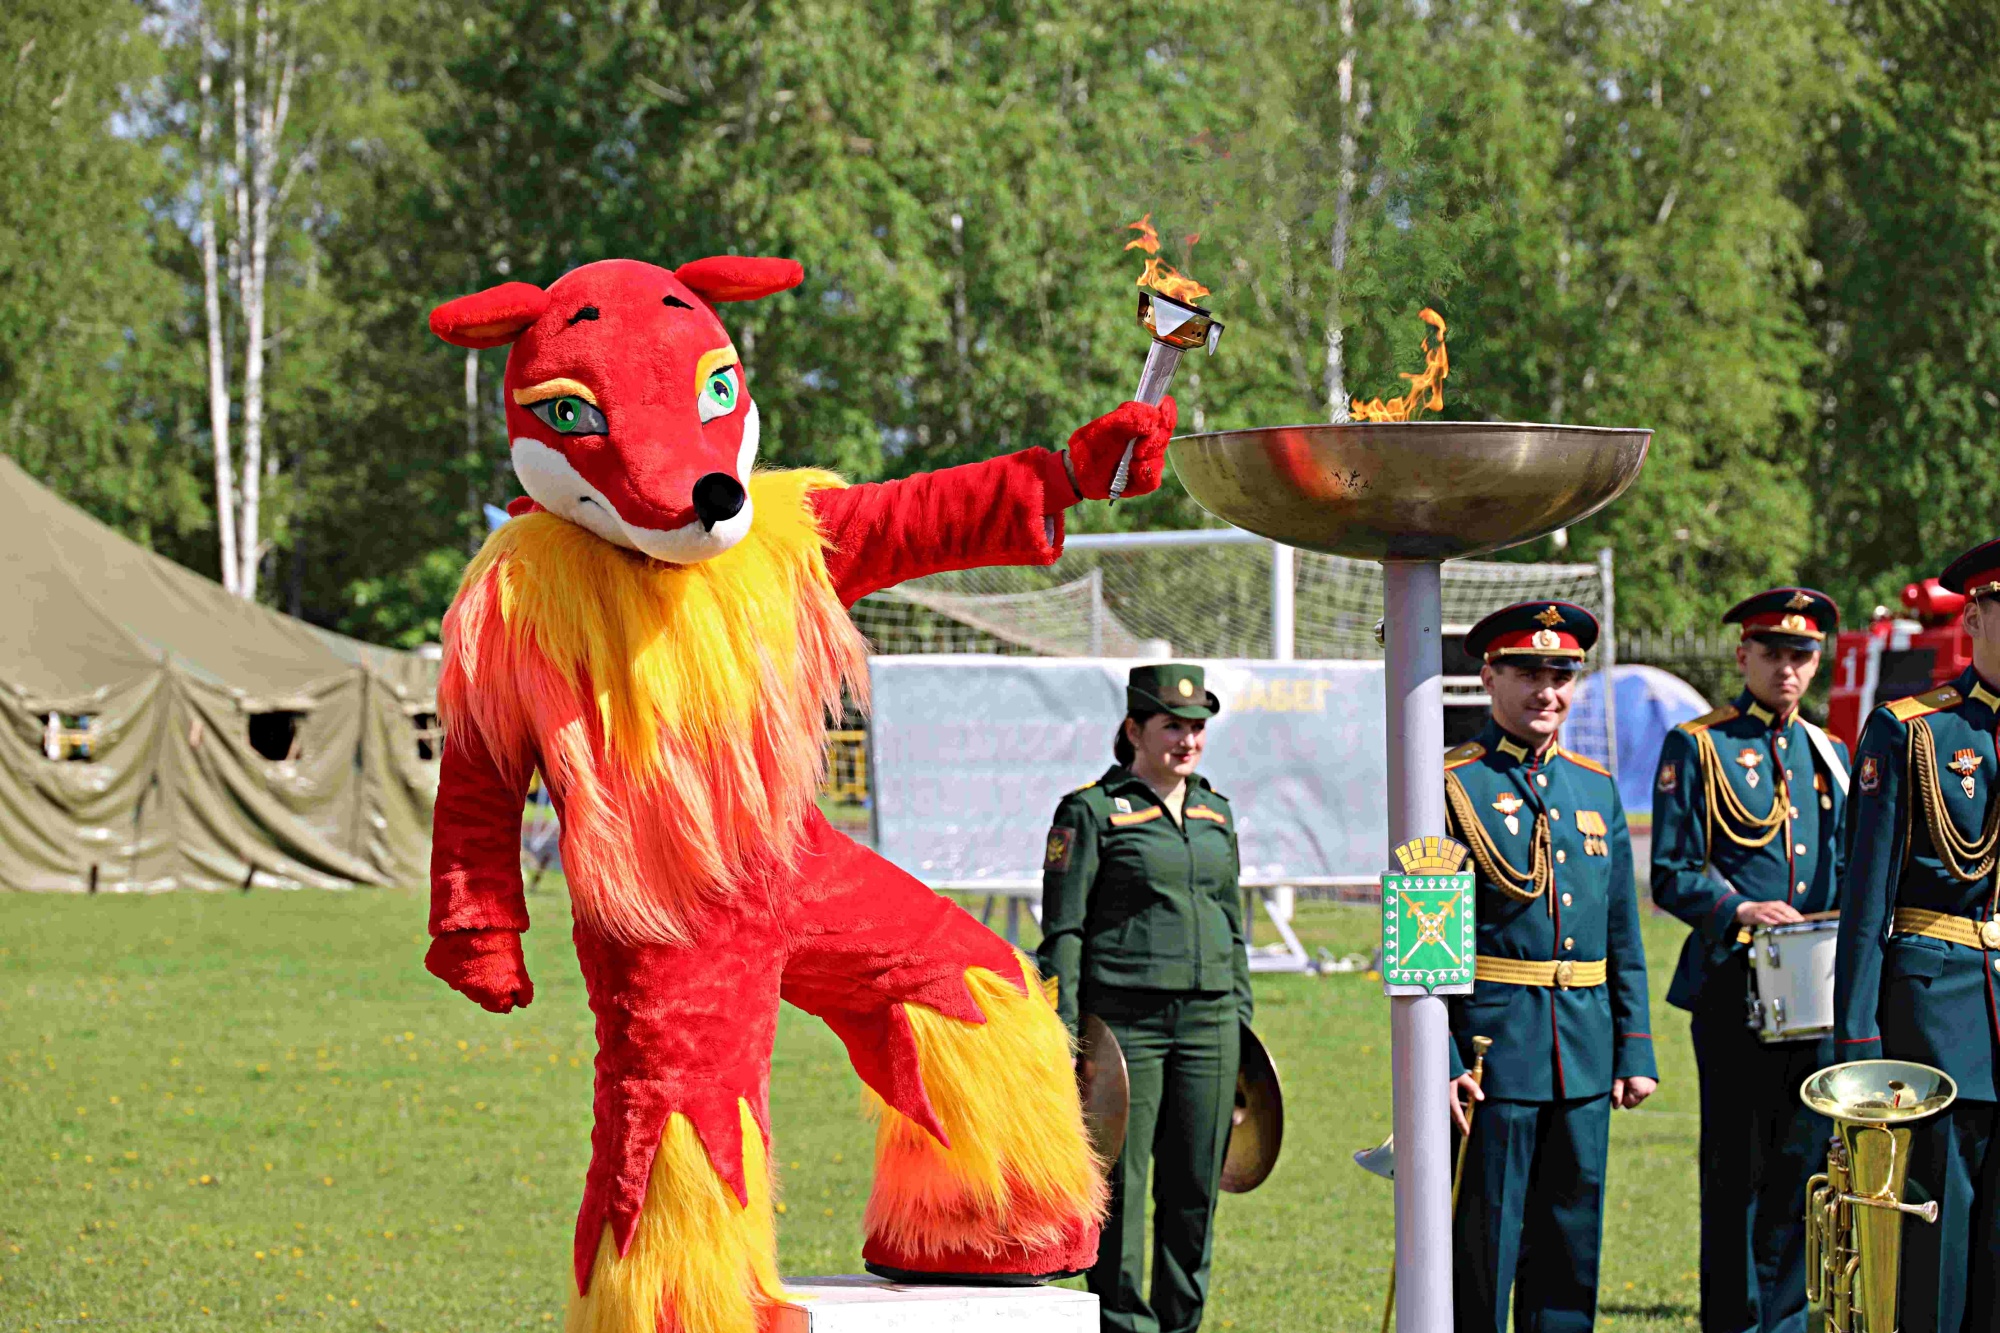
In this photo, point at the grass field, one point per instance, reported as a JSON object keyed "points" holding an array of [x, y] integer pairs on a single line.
{"points": [[223, 1112]]}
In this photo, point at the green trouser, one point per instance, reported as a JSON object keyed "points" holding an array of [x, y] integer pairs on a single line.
{"points": [[1181, 1050]]}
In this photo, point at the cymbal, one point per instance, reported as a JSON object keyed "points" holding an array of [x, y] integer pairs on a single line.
{"points": [[1257, 1126], [1102, 1087]]}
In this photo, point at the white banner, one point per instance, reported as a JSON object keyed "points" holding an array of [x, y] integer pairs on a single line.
{"points": [[970, 754]]}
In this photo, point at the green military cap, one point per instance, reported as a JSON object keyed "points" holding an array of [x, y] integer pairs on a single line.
{"points": [[1170, 687]]}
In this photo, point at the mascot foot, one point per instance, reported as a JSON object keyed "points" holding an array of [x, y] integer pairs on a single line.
{"points": [[1010, 1265]]}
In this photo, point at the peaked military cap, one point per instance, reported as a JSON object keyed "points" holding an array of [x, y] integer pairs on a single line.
{"points": [[1976, 573], [1798, 618], [1534, 634], [1170, 687]]}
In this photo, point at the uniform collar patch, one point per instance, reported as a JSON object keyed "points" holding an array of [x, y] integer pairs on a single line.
{"points": [[1982, 695], [1512, 749], [1761, 713]]}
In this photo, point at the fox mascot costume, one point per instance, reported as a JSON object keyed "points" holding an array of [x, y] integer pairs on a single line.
{"points": [[661, 631]]}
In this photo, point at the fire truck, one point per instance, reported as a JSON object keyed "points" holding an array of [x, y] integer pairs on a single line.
{"points": [[1894, 657]]}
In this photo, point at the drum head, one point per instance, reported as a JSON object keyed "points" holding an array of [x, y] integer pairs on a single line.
{"points": [[1102, 1087], [1257, 1126]]}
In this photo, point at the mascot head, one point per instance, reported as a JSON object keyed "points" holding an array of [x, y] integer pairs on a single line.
{"points": [[626, 404]]}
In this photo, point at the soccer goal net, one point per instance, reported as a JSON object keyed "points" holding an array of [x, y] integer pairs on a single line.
{"points": [[1215, 595]]}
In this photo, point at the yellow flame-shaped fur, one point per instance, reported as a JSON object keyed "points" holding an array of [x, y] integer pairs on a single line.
{"points": [[704, 1261]]}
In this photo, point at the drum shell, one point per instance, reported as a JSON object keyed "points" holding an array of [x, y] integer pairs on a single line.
{"points": [[1791, 979]]}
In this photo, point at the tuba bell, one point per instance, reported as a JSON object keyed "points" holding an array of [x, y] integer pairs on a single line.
{"points": [[1855, 1208]]}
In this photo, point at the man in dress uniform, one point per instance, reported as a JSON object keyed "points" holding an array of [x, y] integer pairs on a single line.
{"points": [[1746, 820], [1918, 969], [1560, 983]]}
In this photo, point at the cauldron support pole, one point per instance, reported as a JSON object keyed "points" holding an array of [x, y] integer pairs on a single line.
{"points": [[1418, 1028]]}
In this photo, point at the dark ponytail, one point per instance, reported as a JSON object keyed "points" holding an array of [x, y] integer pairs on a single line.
{"points": [[1121, 746]]}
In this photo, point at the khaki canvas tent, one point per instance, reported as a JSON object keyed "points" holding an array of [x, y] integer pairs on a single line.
{"points": [[160, 733]]}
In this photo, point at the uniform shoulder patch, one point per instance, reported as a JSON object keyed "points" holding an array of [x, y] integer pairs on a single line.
{"points": [[1061, 842], [1085, 787], [1464, 754], [1921, 705], [1696, 726], [1869, 776], [1581, 762], [1669, 779], [1204, 812]]}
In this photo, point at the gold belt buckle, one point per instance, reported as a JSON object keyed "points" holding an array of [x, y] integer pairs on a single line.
{"points": [[1566, 971], [1989, 934]]}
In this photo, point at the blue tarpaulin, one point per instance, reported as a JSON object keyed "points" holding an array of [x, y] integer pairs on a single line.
{"points": [[1648, 703]]}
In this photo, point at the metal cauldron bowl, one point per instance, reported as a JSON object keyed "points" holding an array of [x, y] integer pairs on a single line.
{"points": [[1408, 490]]}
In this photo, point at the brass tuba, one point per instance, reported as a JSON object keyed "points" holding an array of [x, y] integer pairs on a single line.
{"points": [[1855, 1209]]}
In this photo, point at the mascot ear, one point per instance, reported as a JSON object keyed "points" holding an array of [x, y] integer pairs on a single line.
{"points": [[490, 318], [739, 277]]}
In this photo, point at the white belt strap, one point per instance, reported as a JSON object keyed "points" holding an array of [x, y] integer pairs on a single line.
{"points": [[1827, 754]]}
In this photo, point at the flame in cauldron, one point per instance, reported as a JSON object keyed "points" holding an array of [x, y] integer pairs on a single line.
{"points": [[1426, 390]]}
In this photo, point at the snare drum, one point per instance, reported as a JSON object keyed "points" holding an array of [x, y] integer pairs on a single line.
{"points": [[1791, 978]]}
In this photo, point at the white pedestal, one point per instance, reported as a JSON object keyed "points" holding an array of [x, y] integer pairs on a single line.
{"points": [[871, 1305]]}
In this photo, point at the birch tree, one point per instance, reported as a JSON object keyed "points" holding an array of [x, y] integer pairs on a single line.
{"points": [[249, 158]]}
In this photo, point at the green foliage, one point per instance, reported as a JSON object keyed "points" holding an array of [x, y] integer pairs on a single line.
{"points": [[405, 608], [1767, 228]]}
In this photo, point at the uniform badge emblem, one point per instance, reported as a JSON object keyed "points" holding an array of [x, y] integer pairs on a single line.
{"points": [[1749, 759], [1547, 638], [1799, 602], [1122, 804], [1186, 688], [1509, 805], [1869, 776], [1550, 617], [1670, 777], [1061, 840], [1796, 622], [1965, 763], [1595, 831]]}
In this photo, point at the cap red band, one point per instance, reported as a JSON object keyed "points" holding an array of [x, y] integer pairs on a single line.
{"points": [[1533, 643], [1782, 622], [1983, 583]]}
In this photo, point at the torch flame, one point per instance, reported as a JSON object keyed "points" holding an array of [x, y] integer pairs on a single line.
{"points": [[1159, 275], [1429, 385]]}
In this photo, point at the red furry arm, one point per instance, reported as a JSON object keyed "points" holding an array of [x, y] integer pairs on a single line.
{"points": [[476, 841], [1004, 511]]}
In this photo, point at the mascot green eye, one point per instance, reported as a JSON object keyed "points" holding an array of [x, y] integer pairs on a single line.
{"points": [[719, 393], [571, 416]]}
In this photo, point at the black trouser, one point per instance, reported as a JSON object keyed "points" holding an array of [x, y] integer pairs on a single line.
{"points": [[1759, 1145], [1181, 1051], [1951, 1269], [1530, 1223]]}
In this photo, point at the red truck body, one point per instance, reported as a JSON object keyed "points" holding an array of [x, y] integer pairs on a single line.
{"points": [[1894, 657]]}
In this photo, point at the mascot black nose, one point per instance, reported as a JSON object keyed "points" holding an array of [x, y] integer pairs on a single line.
{"points": [[718, 497]]}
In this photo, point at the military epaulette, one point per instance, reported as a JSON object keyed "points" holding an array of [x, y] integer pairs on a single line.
{"points": [[1903, 710], [1085, 787], [1463, 755], [1715, 719], [1582, 762]]}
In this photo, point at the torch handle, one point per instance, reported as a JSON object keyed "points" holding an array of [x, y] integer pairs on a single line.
{"points": [[1162, 359]]}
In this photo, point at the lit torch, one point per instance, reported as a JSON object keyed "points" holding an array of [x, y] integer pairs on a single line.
{"points": [[1167, 310]]}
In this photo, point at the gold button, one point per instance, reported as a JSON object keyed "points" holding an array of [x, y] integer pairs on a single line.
{"points": [[1541, 780], [1561, 856], [1996, 964], [1802, 886], [1781, 744], [1800, 848], [1569, 942], [1566, 900], [1555, 814], [1793, 812], [1826, 803]]}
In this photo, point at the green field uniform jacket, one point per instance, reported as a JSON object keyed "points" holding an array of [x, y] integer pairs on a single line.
{"points": [[1131, 899]]}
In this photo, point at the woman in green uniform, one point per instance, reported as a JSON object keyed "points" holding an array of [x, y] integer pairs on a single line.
{"points": [[1142, 925]]}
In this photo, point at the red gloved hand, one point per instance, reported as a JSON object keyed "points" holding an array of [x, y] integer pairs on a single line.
{"points": [[485, 966], [1095, 449]]}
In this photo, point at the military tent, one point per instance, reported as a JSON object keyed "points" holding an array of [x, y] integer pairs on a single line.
{"points": [[160, 733]]}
